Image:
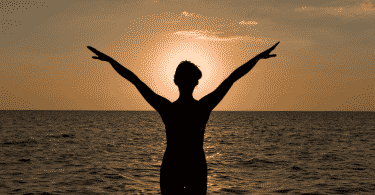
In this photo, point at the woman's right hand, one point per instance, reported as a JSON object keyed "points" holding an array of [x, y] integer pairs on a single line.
{"points": [[266, 54], [100, 56]]}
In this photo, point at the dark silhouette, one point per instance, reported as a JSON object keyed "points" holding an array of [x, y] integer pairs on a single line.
{"points": [[184, 168]]}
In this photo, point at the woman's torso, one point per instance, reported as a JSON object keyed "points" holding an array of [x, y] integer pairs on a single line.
{"points": [[185, 123]]}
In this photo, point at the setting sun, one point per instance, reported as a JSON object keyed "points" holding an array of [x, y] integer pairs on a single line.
{"points": [[168, 53]]}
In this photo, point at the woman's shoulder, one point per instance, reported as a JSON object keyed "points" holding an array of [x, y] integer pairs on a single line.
{"points": [[177, 108]]}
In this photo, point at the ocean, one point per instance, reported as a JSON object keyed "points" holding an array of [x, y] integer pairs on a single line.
{"points": [[120, 152]]}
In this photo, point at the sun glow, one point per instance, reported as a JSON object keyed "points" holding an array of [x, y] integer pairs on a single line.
{"points": [[193, 52], [167, 54]]}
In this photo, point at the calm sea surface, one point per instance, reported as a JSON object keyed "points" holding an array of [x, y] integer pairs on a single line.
{"points": [[114, 152]]}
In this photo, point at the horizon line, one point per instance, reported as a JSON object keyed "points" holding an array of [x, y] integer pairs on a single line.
{"points": [[211, 111]]}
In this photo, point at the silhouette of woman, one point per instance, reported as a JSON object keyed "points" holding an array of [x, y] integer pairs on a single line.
{"points": [[184, 168]]}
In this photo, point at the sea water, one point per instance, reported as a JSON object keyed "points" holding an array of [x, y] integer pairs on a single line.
{"points": [[120, 152]]}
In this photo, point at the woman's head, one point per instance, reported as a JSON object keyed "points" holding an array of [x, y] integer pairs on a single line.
{"points": [[187, 73]]}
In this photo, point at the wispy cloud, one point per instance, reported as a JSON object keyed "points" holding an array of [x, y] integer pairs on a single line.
{"points": [[248, 23], [181, 17], [362, 8], [208, 35], [217, 29], [185, 13], [367, 7]]}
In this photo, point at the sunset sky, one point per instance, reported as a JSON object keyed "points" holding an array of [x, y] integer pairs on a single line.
{"points": [[325, 59]]}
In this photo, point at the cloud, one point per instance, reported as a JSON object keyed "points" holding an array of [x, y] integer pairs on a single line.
{"points": [[208, 35], [212, 28], [248, 23], [181, 17], [187, 14], [366, 7], [359, 9]]}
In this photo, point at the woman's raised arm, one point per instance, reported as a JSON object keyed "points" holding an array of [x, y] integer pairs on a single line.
{"points": [[158, 102], [211, 100]]}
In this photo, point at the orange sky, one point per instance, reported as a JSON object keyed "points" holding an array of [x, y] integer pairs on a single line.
{"points": [[325, 59]]}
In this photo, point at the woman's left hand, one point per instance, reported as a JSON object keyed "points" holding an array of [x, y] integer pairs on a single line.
{"points": [[266, 54], [100, 56]]}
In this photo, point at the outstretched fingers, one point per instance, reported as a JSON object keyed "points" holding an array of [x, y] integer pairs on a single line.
{"points": [[268, 51], [91, 48], [274, 46], [100, 56], [269, 56], [94, 50]]}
